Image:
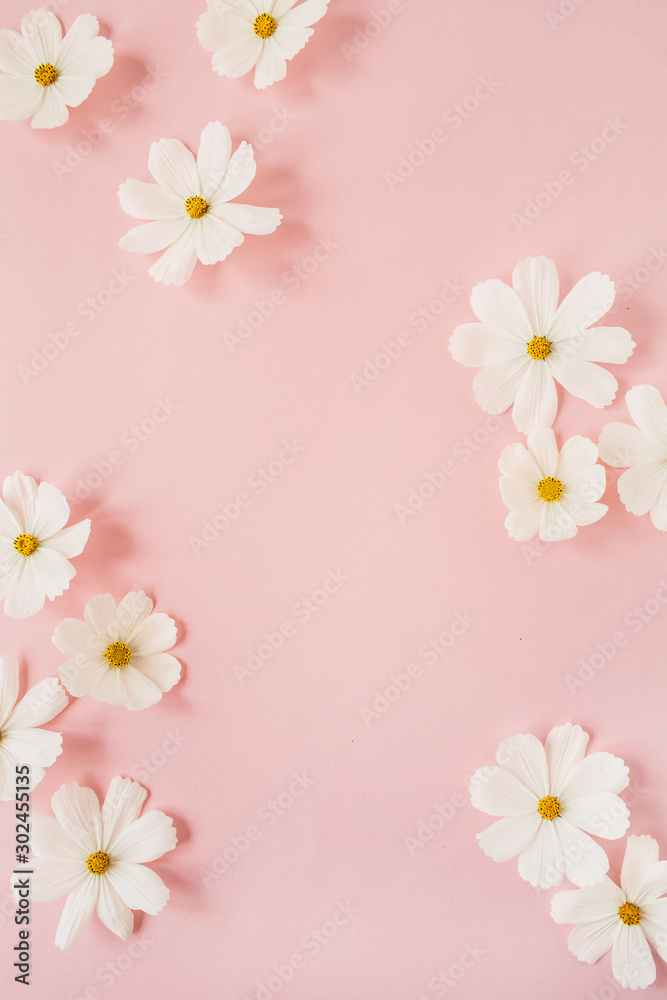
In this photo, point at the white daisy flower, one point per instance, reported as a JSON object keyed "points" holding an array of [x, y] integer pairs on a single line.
{"points": [[260, 33], [97, 858], [43, 73], [118, 653], [22, 741], [643, 449], [548, 492], [35, 545], [622, 919], [190, 204], [525, 340], [551, 797]]}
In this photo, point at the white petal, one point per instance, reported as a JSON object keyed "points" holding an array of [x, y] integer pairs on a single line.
{"points": [[508, 836], [586, 863], [643, 875], [73, 90], [100, 616], [640, 486], [111, 909], [52, 112], [108, 684], [271, 66], [497, 304], [289, 40], [48, 839], [177, 262], [15, 56], [122, 806], [79, 908], [217, 29], [152, 634], [74, 637], [94, 59], [631, 959], [237, 55], [9, 686], [147, 839], [42, 31], [142, 692], [602, 814], [583, 512], [215, 150], [19, 98], [20, 494], [26, 596], [37, 747], [535, 280], [498, 793], [556, 522], [578, 453], [216, 240], [587, 303], [84, 28], [55, 877], [153, 236], [303, 15], [173, 166], [647, 409], [654, 925], [517, 462], [659, 510], [524, 757], [41, 704], [542, 445], [249, 219], [590, 942], [604, 344], [70, 541], [598, 772], [78, 812], [542, 862], [522, 525], [496, 385], [587, 906], [583, 379], [162, 669], [139, 887], [622, 445], [565, 746], [517, 494], [237, 177], [150, 201], [133, 611], [478, 344], [536, 401]]}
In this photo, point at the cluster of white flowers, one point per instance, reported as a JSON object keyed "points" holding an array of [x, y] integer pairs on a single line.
{"points": [[523, 344], [550, 798]]}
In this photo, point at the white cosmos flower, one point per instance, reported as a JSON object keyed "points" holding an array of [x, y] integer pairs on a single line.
{"points": [[525, 340], [43, 73], [97, 858], [260, 33], [190, 204], [643, 448], [118, 654], [551, 797], [22, 741], [35, 545], [622, 919], [548, 492]]}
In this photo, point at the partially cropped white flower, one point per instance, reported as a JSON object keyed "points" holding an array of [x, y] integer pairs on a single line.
{"points": [[22, 741], [264, 34], [643, 448], [623, 920], [118, 654], [525, 340], [548, 492], [551, 797], [97, 858], [35, 545], [191, 204], [43, 73]]}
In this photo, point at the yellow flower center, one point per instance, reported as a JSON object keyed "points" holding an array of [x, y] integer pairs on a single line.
{"points": [[196, 207], [98, 863], [630, 914], [548, 807], [46, 74], [550, 489], [264, 25], [25, 544], [118, 654], [539, 348]]}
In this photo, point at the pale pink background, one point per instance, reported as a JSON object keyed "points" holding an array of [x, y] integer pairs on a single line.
{"points": [[355, 111]]}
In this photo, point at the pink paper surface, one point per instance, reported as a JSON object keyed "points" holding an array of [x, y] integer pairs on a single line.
{"points": [[243, 382]]}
